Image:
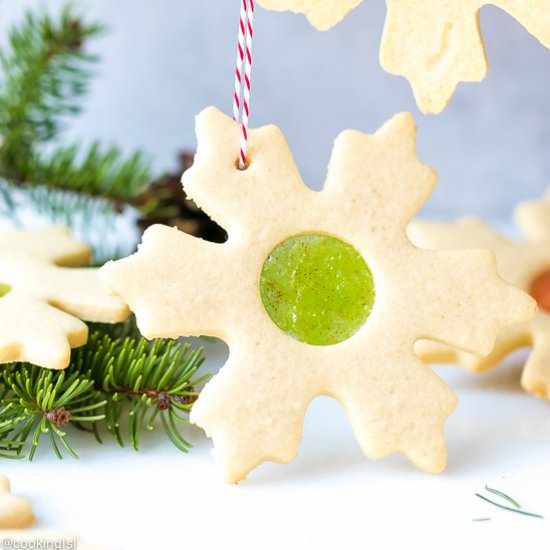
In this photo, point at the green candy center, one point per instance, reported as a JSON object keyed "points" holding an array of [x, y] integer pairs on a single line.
{"points": [[317, 289], [4, 289]]}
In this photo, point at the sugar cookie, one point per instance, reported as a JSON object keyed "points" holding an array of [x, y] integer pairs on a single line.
{"points": [[434, 44], [254, 409], [15, 512], [40, 301], [526, 265]]}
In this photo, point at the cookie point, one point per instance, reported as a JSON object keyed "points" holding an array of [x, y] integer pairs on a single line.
{"points": [[535, 386], [121, 313], [209, 119], [437, 467], [400, 126], [145, 325], [324, 24], [429, 107], [405, 117], [210, 112], [63, 360], [434, 459]]}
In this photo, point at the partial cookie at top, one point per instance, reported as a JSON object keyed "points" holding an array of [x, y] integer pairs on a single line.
{"points": [[434, 44]]}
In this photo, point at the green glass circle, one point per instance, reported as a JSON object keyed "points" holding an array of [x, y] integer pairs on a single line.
{"points": [[4, 289], [317, 289]]}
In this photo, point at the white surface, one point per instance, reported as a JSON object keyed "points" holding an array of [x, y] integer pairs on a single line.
{"points": [[329, 497]]}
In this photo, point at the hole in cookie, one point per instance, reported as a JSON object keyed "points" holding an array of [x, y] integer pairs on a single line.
{"points": [[317, 289], [4, 289], [241, 168], [540, 290]]}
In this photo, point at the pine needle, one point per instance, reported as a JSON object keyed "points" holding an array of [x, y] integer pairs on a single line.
{"points": [[508, 508], [503, 496]]}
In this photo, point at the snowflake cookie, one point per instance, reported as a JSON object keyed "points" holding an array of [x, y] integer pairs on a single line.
{"points": [[434, 44], [40, 300], [315, 294], [526, 265], [15, 512]]}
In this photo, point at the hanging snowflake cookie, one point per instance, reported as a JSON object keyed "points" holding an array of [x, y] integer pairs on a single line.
{"points": [[315, 299], [434, 44], [41, 302], [526, 265], [15, 512]]}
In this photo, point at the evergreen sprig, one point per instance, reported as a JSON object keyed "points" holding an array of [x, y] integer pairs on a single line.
{"points": [[43, 402], [97, 171], [118, 383], [45, 73]]}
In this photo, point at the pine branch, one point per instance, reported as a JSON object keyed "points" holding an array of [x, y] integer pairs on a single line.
{"points": [[41, 402], [116, 379], [98, 171], [45, 74], [144, 381]]}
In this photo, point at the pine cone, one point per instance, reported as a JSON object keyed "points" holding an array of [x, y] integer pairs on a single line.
{"points": [[165, 202]]}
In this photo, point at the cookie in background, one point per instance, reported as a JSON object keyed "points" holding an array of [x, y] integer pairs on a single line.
{"points": [[523, 263]]}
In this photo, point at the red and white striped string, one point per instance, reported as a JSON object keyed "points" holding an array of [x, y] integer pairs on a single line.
{"points": [[241, 109]]}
